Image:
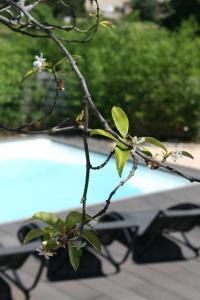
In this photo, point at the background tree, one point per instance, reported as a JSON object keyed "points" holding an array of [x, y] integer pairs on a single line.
{"points": [[77, 5], [148, 9], [182, 10]]}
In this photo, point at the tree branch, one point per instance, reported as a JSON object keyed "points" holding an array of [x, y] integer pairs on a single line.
{"points": [[122, 182]]}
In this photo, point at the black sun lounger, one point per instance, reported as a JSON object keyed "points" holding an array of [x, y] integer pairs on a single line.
{"points": [[12, 259], [146, 234], [152, 241], [58, 267]]}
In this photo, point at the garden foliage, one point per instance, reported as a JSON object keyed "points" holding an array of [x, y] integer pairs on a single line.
{"points": [[153, 73]]}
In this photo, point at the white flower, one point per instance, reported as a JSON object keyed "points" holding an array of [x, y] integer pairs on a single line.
{"points": [[46, 253], [186, 128], [176, 154], [77, 243], [39, 62]]}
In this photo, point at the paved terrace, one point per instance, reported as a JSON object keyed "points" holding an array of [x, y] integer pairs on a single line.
{"points": [[163, 281]]}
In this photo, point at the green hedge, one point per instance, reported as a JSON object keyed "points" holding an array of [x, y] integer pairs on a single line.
{"points": [[12, 60], [154, 75], [19, 102]]}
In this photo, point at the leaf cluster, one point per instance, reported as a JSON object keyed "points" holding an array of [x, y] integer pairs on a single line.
{"points": [[129, 145], [64, 233]]}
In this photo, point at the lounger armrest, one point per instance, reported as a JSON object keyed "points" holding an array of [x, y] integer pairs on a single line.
{"points": [[182, 213], [102, 226], [29, 248]]}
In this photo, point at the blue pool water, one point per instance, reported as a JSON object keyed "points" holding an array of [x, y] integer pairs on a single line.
{"points": [[44, 175]]}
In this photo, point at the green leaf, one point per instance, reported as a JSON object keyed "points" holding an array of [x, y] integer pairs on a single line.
{"points": [[73, 218], [34, 234], [74, 256], [187, 154], [64, 60], [61, 61], [145, 151], [29, 74], [104, 133], [155, 142], [50, 244], [121, 121], [92, 238], [77, 57], [107, 24], [50, 219], [122, 146], [121, 157]]}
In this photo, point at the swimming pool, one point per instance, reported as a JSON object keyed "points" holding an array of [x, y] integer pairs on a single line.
{"points": [[40, 174]]}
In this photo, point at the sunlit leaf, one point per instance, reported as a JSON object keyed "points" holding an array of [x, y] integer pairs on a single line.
{"points": [[80, 118], [77, 57], [29, 74], [50, 219], [74, 256], [122, 146], [155, 142], [121, 157], [92, 238], [35, 233], [103, 133], [73, 218], [121, 121], [107, 24], [187, 154]]}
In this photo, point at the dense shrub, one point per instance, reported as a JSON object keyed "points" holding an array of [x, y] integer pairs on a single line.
{"points": [[12, 61], [152, 73], [19, 102]]}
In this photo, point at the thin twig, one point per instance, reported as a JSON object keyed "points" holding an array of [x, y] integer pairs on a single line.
{"points": [[88, 164], [148, 159], [122, 182], [101, 166]]}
